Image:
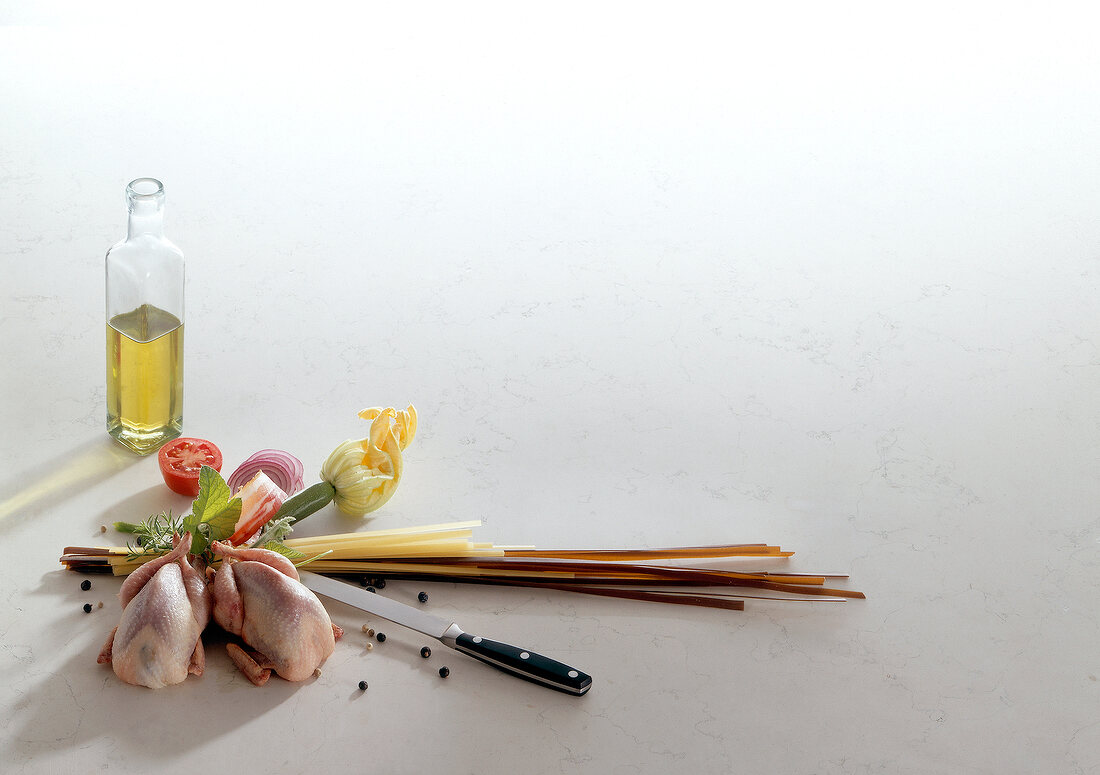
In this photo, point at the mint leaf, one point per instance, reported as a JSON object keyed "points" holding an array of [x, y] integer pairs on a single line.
{"points": [[190, 525], [200, 539], [223, 523], [213, 494], [214, 514], [190, 522]]}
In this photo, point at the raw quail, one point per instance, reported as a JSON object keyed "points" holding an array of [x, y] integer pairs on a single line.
{"points": [[258, 596], [165, 607]]}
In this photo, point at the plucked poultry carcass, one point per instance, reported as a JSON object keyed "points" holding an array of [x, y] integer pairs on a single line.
{"points": [[165, 607], [258, 596]]}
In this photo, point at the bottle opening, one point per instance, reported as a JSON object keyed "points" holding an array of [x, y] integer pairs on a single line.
{"points": [[145, 188]]}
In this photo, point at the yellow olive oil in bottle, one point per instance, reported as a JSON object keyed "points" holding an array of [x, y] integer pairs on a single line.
{"points": [[145, 277]]}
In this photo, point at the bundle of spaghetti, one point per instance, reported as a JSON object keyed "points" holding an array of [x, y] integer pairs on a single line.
{"points": [[446, 552]]}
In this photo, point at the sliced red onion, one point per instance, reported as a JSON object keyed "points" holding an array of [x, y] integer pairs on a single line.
{"points": [[285, 470]]}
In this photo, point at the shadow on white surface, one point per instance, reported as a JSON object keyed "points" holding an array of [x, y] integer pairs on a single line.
{"points": [[141, 505], [58, 479], [78, 702]]}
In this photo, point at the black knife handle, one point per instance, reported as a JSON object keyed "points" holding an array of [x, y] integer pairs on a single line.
{"points": [[525, 664]]}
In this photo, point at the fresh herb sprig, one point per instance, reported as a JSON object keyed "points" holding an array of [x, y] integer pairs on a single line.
{"points": [[152, 536], [271, 537], [214, 513], [214, 516]]}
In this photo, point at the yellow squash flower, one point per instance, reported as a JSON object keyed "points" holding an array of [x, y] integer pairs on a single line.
{"points": [[366, 473]]}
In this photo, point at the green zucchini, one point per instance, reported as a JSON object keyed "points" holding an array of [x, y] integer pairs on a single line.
{"points": [[309, 500]]}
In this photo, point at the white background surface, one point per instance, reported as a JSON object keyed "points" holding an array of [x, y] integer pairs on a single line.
{"points": [[822, 278]]}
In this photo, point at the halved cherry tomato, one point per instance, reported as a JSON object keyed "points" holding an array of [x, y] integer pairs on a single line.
{"points": [[181, 459]]}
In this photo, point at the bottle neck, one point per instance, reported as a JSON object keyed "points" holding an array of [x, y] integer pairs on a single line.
{"points": [[145, 219], [145, 201]]}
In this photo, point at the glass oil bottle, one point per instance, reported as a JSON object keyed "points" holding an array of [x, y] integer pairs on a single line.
{"points": [[145, 278]]}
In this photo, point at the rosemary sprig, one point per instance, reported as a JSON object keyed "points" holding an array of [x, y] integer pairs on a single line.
{"points": [[153, 535]]}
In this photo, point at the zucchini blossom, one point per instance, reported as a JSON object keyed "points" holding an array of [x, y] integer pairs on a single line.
{"points": [[366, 473]]}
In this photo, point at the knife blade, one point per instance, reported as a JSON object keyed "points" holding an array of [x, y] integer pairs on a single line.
{"points": [[522, 663]]}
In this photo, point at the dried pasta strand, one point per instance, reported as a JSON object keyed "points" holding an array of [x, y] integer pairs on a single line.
{"points": [[446, 551]]}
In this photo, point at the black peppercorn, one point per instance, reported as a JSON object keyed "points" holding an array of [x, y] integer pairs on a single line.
{"points": [[371, 589], [422, 597], [380, 583], [86, 585], [380, 637], [363, 582], [87, 608], [444, 671], [362, 686], [425, 652]]}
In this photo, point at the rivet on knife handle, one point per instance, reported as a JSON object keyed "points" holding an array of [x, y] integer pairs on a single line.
{"points": [[525, 664]]}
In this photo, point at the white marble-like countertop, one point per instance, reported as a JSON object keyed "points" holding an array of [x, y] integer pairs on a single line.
{"points": [[816, 278]]}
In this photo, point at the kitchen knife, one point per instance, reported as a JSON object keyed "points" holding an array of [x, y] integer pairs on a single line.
{"points": [[519, 662]]}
